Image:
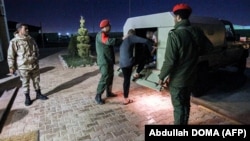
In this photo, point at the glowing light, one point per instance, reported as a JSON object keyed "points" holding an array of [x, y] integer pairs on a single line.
{"points": [[156, 100]]}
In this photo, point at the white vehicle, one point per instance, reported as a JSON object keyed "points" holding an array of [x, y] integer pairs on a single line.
{"points": [[228, 50]]}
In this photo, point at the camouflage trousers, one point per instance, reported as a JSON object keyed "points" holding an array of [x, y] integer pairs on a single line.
{"points": [[26, 76]]}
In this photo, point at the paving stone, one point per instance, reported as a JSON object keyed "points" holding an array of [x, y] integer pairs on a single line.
{"points": [[71, 114], [96, 133]]}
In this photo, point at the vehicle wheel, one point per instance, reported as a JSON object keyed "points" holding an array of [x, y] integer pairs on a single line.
{"points": [[242, 62], [201, 84], [197, 92]]}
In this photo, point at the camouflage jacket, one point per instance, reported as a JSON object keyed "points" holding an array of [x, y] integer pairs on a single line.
{"points": [[23, 53]]}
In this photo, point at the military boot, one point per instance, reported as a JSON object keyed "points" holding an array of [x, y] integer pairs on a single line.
{"points": [[27, 99], [109, 92], [98, 99], [40, 96]]}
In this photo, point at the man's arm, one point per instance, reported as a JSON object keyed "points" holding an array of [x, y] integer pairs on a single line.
{"points": [[11, 57], [36, 48], [170, 56], [137, 39]]}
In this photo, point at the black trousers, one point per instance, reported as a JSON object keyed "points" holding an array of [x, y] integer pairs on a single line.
{"points": [[140, 66], [127, 72]]}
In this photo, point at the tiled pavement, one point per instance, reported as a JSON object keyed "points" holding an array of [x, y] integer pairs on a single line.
{"points": [[71, 113]]}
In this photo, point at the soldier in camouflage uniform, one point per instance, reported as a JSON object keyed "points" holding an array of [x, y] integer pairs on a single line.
{"points": [[23, 56]]}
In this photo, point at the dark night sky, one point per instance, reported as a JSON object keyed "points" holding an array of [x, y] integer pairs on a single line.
{"points": [[64, 15]]}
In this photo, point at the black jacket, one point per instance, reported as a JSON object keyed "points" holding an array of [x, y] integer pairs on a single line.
{"points": [[127, 48]]}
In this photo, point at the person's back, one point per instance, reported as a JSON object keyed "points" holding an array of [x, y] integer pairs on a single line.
{"points": [[189, 42], [184, 46], [188, 52], [126, 51], [127, 48]]}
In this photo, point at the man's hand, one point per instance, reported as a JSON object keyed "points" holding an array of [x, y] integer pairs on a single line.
{"points": [[160, 82], [155, 47], [124, 37], [153, 50], [12, 71], [164, 83]]}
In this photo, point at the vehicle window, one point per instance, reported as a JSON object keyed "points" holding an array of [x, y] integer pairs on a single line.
{"points": [[229, 32]]}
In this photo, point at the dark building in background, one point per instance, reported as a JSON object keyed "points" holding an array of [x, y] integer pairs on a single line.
{"points": [[42, 39], [243, 32], [34, 31]]}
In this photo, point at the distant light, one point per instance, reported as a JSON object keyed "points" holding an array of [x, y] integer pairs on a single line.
{"points": [[241, 27], [67, 33], [59, 34]]}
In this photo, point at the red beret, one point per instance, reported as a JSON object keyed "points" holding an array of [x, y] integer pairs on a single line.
{"points": [[104, 23], [182, 6]]}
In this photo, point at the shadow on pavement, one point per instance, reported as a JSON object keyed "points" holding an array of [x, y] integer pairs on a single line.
{"points": [[46, 69], [226, 81], [73, 82], [228, 95], [16, 115]]}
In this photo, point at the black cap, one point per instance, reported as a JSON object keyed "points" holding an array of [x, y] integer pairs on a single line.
{"points": [[19, 25]]}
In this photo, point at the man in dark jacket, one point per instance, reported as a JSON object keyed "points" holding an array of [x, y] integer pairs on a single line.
{"points": [[184, 45], [105, 60], [127, 60]]}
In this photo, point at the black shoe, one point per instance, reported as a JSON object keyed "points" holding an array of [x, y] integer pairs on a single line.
{"points": [[27, 100], [40, 96], [111, 95], [98, 99], [137, 76]]}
